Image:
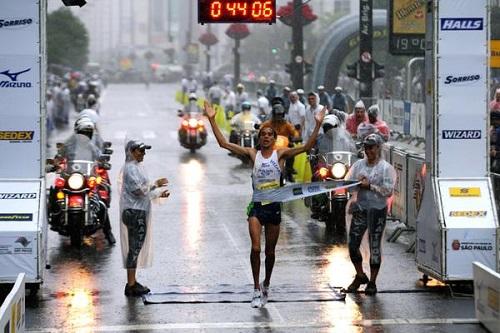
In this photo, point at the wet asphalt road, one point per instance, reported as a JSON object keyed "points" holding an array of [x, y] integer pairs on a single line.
{"points": [[201, 248]]}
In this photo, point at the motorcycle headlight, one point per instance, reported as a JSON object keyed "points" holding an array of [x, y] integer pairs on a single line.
{"points": [[193, 123], [339, 170], [76, 181]]}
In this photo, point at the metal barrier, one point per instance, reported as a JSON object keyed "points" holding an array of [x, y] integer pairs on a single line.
{"points": [[410, 170], [12, 311]]}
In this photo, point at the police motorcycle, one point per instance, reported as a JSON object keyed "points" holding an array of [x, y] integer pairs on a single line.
{"points": [[331, 159], [245, 125], [80, 197], [192, 132]]}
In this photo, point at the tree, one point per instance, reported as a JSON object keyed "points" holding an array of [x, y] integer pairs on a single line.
{"points": [[67, 39]]}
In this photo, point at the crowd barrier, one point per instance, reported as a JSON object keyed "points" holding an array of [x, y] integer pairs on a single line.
{"points": [[12, 311], [487, 296]]}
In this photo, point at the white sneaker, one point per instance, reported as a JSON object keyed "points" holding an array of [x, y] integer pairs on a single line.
{"points": [[265, 294], [256, 301]]}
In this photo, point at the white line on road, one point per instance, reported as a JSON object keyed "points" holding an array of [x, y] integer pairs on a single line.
{"points": [[267, 325]]}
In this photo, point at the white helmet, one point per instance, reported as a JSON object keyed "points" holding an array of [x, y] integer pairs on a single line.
{"points": [[84, 124], [331, 119], [192, 96], [360, 105]]}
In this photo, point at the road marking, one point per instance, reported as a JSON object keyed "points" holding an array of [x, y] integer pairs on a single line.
{"points": [[267, 325], [148, 134]]}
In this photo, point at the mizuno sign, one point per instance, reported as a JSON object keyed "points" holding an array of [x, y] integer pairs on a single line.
{"points": [[13, 79], [6, 196], [462, 134], [471, 23]]}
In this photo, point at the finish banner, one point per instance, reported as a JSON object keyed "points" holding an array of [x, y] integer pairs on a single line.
{"points": [[299, 191]]}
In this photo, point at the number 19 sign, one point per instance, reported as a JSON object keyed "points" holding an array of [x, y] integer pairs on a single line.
{"points": [[236, 11]]}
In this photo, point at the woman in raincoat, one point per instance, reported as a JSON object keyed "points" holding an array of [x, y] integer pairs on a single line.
{"points": [[135, 211], [368, 207]]}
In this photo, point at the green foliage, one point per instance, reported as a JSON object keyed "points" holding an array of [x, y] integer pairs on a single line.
{"points": [[67, 39]]}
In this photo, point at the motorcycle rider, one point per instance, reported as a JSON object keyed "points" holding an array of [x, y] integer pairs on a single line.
{"points": [[81, 141], [242, 120], [383, 129], [368, 207], [271, 90], [296, 112], [359, 116], [334, 138], [191, 109], [215, 94], [268, 166]]}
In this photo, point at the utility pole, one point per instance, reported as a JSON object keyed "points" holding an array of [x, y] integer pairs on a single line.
{"points": [[296, 64], [365, 47]]}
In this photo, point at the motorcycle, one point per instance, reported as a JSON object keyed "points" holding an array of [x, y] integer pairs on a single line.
{"points": [[331, 161], [80, 197], [192, 132]]}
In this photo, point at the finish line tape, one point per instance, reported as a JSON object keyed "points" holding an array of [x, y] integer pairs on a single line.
{"points": [[299, 191]]}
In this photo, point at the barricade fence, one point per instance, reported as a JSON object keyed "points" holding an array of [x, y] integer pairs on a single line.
{"points": [[12, 311]]}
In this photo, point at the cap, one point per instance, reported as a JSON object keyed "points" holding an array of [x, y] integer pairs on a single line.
{"points": [[287, 89], [360, 105], [373, 139], [272, 82], [192, 96], [135, 144], [337, 88], [321, 87], [239, 85], [300, 91]]}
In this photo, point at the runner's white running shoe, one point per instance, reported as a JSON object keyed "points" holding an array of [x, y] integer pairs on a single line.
{"points": [[256, 301], [265, 294]]}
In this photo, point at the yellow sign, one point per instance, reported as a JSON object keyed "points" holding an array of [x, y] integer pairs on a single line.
{"points": [[408, 16], [465, 192], [495, 53], [493, 299], [468, 213]]}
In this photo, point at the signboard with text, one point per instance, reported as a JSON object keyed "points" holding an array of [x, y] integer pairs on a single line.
{"points": [[407, 27]]}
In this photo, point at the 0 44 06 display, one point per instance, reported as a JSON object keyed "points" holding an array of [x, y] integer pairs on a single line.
{"points": [[236, 11]]}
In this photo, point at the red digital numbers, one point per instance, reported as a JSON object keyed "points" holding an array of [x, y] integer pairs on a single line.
{"points": [[238, 10]]}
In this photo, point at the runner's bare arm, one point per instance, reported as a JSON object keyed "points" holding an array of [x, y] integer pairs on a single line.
{"points": [[221, 139], [287, 153]]}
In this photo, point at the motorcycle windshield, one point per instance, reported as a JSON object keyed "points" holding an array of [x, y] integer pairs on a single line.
{"points": [[80, 154], [336, 140], [248, 125]]}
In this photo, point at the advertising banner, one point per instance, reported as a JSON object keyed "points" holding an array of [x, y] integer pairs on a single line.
{"points": [[462, 80], [20, 128], [407, 27], [18, 254], [464, 246], [495, 54], [19, 27]]}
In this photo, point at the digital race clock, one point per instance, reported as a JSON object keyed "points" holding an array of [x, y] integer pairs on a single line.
{"points": [[236, 11]]}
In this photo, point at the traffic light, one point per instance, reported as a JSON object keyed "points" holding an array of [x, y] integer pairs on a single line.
{"points": [[274, 50], [288, 68], [80, 3], [378, 71], [308, 68], [352, 70]]}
